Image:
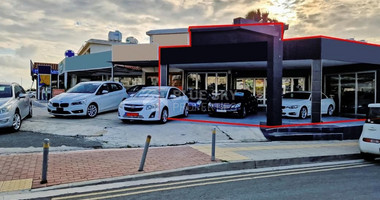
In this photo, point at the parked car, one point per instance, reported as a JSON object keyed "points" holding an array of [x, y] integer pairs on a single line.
{"points": [[134, 89], [298, 104], [15, 105], [369, 142], [236, 102], [88, 98], [154, 104], [198, 100]]}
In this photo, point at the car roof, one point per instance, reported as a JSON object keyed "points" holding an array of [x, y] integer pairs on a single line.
{"points": [[374, 105], [161, 87], [101, 82]]}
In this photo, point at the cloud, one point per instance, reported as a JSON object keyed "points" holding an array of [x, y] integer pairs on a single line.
{"points": [[26, 51]]}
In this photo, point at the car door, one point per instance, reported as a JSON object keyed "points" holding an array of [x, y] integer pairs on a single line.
{"points": [[23, 103], [104, 97], [175, 102], [117, 94]]}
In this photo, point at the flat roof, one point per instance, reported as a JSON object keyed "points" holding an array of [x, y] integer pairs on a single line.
{"points": [[167, 31]]}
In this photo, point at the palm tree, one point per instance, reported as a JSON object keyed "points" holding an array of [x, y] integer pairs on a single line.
{"points": [[262, 17]]}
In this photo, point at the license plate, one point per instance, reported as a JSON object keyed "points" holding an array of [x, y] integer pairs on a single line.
{"points": [[132, 114], [59, 109], [223, 111]]}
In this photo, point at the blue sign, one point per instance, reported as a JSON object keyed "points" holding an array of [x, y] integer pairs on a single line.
{"points": [[69, 53]]}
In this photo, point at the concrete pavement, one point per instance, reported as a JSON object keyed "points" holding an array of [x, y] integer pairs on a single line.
{"points": [[68, 169]]}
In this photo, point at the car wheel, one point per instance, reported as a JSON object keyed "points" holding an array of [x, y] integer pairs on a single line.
{"points": [[16, 124], [30, 115], [368, 157], [164, 116], [330, 110], [186, 111], [243, 112], [203, 108], [92, 110], [303, 113]]}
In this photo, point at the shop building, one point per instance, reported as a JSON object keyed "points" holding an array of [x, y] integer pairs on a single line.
{"points": [[257, 58]]}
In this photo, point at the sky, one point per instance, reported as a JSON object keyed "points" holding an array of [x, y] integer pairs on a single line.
{"points": [[43, 30]]}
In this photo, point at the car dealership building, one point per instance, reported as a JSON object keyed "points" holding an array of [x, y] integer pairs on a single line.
{"points": [[257, 58]]}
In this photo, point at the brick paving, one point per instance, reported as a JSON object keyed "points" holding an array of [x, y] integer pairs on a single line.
{"points": [[69, 167]]}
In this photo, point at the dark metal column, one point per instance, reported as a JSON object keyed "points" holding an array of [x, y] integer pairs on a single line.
{"points": [[316, 91], [164, 74], [274, 82]]}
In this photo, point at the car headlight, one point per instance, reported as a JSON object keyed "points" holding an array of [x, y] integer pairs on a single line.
{"points": [[152, 106], [199, 102], [5, 109], [50, 103], [209, 104], [78, 102], [236, 105], [292, 107], [121, 105]]}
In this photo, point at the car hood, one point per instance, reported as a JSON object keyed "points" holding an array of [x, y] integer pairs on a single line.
{"points": [[290, 102], [3, 101], [70, 97], [141, 101]]}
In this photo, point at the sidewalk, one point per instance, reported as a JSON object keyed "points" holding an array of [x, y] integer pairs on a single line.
{"points": [[23, 171]]}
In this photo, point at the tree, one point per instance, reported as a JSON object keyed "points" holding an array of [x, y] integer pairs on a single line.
{"points": [[262, 17]]}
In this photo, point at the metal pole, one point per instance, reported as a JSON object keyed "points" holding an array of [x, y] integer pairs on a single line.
{"points": [[213, 145], [45, 161], [141, 168]]}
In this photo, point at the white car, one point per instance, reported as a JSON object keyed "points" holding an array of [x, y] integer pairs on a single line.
{"points": [[369, 142], [298, 104], [15, 105], [154, 104], [88, 98]]}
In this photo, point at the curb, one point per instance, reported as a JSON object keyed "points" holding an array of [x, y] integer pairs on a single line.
{"points": [[218, 167]]}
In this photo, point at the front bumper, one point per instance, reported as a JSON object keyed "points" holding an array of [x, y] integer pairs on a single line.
{"points": [[288, 112], [77, 110], [143, 115], [6, 120], [224, 110], [194, 106]]}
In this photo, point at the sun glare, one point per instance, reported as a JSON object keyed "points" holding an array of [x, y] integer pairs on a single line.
{"points": [[282, 10]]}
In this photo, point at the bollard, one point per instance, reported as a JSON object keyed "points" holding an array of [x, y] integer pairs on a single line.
{"points": [[45, 161], [141, 168], [213, 145]]}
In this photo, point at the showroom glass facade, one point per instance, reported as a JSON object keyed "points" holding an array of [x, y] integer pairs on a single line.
{"points": [[215, 82], [352, 92], [258, 86]]}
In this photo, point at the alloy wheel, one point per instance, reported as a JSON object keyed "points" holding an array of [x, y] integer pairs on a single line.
{"points": [[16, 121], [303, 113], [330, 110], [164, 116], [92, 110]]}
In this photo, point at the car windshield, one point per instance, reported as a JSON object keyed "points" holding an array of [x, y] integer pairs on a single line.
{"points": [[84, 88], [374, 115], [5, 91], [152, 92], [296, 96]]}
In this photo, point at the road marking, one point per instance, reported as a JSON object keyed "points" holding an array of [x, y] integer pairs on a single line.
{"points": [[14, 185], [215, 180]]}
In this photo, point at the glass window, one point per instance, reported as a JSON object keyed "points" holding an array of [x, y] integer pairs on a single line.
{"points": [[192, 81], [366, 91], [293, 95], [374, 115], [347, 93], [5, 91], [211, 82], [222, 82]]}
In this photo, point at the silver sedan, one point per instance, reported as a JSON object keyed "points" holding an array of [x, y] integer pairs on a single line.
{"points": [[15, 105]]}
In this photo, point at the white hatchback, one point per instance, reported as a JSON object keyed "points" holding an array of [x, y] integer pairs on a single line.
{"points": [[88, 98], [154, 104], [298, 104], [369, 142]]}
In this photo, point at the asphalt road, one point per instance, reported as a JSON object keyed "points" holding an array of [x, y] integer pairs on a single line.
{"points": [[24, 139], [343, 181]]}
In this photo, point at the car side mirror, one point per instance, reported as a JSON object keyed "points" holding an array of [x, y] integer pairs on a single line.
{"points": [[172, 96], [105, 92], [22, 95]]}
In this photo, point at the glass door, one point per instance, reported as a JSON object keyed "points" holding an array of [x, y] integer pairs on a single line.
{"points": [[366, 91], [260, 87], [347, 89]]}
